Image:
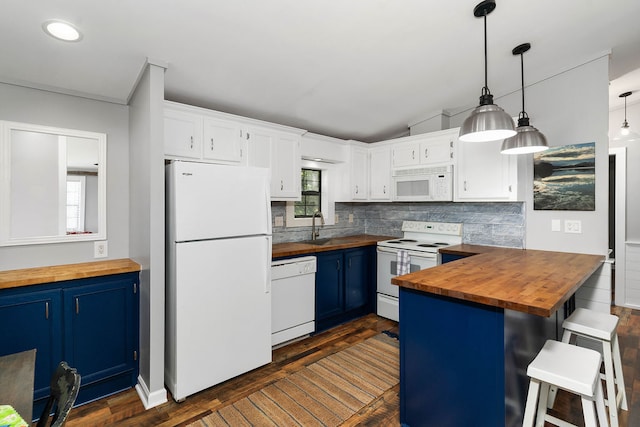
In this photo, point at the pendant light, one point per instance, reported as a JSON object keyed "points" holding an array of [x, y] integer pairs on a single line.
{"points": [[528, 139], [487, 122], [625, 133]]}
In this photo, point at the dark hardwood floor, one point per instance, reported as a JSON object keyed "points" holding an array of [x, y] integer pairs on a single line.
{"points": [[125, 409]]}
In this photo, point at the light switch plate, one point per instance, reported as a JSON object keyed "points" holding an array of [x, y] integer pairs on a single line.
{"points": [[350, 218], [555, 225], [573, 226], [100, 249]]}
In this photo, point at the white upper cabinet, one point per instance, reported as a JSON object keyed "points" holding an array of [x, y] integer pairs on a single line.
{"points": [[380, 173], [280, 152], [222, 140], [438, 148], [435, 148], [406, 154], [285, 167], [182, 134], [359, 174], [196, 133], [484, 174]]}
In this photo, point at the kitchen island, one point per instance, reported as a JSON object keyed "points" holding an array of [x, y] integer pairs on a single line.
{"points": [[469, 328]]}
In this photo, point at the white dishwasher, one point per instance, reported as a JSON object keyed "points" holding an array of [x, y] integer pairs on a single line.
{"points": [[293, 295]]}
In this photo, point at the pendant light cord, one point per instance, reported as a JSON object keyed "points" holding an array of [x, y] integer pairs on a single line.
{"points": [[522, 113], [486, 85], [485, 98]]}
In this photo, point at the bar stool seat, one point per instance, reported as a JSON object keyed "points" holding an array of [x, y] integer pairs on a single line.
{"points": [[571, 368], [601, 327]]}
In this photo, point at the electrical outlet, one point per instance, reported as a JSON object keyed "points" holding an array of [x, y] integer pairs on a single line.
{"points": [[555, 225], [337, 219], [100, 249], [350, 218], [279, 221], [573, 226]]}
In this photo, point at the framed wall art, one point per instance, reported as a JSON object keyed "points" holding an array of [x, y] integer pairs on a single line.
{"points": [[565, 178]]}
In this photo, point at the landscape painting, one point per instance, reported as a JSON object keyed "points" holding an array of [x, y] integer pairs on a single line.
{"points": [[564, 178]]}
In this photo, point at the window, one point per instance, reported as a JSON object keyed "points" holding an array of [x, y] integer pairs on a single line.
{"points": [[311, 200], [75, 204]]}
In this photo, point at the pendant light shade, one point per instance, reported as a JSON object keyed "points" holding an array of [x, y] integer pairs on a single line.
{"points": [[487, 122], [625, 133], [527, 139]]}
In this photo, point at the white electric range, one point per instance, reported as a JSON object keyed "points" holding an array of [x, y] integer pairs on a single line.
{"points": [[422, 241]]}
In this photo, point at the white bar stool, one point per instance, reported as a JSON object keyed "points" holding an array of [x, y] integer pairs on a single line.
{"points": [[601, 327], [571, 368]]}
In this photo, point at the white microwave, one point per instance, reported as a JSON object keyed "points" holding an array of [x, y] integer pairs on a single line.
{"points": [[423, 184]]}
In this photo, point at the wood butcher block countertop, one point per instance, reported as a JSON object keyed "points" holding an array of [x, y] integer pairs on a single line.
{"points": [[530, 281], [300, 248], [59, 273]]}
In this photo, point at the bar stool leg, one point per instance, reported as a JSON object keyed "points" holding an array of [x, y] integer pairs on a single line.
{"points": [[617, 364], [600, 407], [612, 400], [553, 391], [589, 413], [542, 408], [530, 406]]}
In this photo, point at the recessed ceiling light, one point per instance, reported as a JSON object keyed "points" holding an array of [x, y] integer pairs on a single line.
{"points": [[61, 30]]}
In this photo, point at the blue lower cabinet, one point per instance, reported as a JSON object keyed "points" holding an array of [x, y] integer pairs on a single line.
{"points": [[345, 285], [102, 329], [92, 324], [445, 258], [33, 320]]}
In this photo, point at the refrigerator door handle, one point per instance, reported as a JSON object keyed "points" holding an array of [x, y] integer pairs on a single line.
{"points": [[267, 282], [267, 200]]}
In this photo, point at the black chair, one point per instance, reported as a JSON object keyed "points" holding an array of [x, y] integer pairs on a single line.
{"points": [[65, 384]]}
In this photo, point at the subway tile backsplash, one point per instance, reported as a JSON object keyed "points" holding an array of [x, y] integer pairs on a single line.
{"points": [[496, 224]]}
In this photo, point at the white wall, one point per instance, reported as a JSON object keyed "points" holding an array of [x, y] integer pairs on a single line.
{"points": [[51, 109], [568, 108], [148, 229]]}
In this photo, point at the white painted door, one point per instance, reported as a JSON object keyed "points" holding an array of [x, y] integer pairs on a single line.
{"points": [[182, 134], [222, 140], [380, 173], [222, 303]]}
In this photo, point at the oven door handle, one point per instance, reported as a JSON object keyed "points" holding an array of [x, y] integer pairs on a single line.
{"points": [[425, 255], [387, 250]]}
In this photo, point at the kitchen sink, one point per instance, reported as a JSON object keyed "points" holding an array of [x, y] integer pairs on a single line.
{"points": [[318, 242]]}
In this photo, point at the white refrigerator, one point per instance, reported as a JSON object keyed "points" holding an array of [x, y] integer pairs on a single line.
{"points": [[218, 302]]}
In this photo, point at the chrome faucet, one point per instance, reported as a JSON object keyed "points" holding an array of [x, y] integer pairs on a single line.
{"points": [[315, 233]]}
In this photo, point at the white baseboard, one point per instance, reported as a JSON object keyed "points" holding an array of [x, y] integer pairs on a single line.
{"points": [[150, 399]]}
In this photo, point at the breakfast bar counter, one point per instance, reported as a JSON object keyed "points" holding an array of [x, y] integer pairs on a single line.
{"points": [[469, 328]]}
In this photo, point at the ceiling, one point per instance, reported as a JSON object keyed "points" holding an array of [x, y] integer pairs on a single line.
{"points": [[352, 69]]}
